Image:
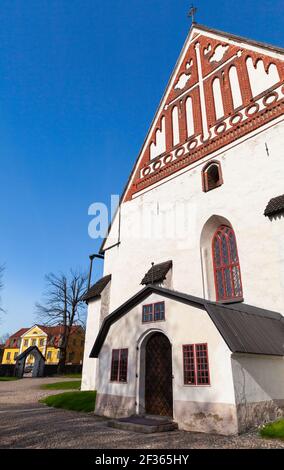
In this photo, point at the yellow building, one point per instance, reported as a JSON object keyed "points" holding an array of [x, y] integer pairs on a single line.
{"points": [[47, 339]]}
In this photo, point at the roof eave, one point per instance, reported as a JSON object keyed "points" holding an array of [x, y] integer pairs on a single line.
{"points": [[180, 297], [131, 303]]}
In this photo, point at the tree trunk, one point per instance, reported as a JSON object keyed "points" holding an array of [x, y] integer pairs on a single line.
{"points": [[63, 350], [62, 361]]}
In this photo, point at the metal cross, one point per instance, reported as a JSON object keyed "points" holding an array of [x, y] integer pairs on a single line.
{"points": [[192, 12]]}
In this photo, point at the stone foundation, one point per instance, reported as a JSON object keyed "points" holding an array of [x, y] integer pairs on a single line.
{"points": [[215, 418], [251, 415], [114, 406]]}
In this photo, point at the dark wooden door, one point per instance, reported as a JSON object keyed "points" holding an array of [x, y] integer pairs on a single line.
{"points": [[158, 376]]}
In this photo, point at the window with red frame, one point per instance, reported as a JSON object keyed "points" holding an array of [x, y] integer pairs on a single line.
{"points": [[153, 312], [226, 263], [196, 364], [119, 365]]}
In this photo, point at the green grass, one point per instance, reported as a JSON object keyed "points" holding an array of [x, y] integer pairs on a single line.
{"points": [[76, 401], [7, 379], [273, 430], [70, 385], [72, 376]]}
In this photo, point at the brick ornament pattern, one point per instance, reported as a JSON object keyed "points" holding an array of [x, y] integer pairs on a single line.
{"points": [[254, 112]]}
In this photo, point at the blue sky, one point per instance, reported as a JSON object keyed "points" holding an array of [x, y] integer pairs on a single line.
{"points": [[80, 81]]}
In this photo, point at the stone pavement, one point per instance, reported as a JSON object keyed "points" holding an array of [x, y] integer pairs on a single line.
{"points": [[25, 423]]}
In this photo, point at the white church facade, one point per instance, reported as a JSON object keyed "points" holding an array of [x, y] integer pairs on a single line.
{"points": [[187, 319]]}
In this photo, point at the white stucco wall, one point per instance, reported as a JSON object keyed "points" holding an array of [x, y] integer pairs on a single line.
{"points": [[92, 328], [251, 179], [258, 378], [259, 389], [184, 324]]}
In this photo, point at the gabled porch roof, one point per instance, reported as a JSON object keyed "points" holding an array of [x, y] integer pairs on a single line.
{"points": [[244, 328]]}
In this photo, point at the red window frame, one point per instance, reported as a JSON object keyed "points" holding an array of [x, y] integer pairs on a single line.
{"points": [[119, 371], [153, 312], [148, 313], [196, 371], [202, 364], [232, 265], [189, 375]]}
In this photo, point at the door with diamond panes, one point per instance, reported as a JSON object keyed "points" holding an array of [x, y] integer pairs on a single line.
{"points": [[158, 376]]}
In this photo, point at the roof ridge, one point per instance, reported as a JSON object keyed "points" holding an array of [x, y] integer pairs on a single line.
{"points": [[237, 37], [252, 332]]}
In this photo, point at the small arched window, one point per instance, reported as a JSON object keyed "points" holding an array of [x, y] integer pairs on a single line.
{"points": [[212, 176], [227, 270]]}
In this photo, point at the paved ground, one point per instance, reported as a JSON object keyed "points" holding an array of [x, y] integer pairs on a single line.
{"points": [[24, 423]]}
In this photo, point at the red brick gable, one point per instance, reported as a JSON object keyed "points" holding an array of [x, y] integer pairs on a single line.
{"points": [[190, 103]]}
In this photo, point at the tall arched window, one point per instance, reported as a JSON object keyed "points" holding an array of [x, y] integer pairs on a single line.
{"points": [[227, 271]]}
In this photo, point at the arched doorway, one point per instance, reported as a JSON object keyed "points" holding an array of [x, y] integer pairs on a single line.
{"points": [[158, 376], [37, 369]]}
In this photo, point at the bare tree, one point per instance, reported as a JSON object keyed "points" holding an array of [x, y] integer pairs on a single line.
{"points": [[63, 305], [4, 337]]}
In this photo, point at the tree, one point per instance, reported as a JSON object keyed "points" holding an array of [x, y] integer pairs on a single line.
{"points": [[4, 337], [63, 305]]}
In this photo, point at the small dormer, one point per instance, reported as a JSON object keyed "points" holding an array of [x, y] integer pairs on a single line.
{"points": [[159, 274]]}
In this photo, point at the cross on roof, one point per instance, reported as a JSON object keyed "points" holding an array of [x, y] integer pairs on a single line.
{"points": [[192, 12]]}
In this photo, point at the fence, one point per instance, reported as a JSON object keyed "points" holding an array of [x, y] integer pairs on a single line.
{"points": [[8, 370], [50, 370]]}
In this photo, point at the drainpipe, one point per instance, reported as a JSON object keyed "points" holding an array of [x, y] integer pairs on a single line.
{"points": [[92, 257]]}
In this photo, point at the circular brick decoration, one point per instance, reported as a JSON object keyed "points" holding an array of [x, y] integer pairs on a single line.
{"points": [[168, 159], [271, 98], [146, 171], [179, 152], [192, 144], [252, 109], [157, 165], [236, 119], [220, 128]]}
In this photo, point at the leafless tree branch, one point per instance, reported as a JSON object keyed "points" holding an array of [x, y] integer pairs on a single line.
{"points": [[62, 304]]}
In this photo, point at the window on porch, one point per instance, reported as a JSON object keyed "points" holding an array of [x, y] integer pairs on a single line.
{"points": [[196, 364], [153, 312], [119, 365]]}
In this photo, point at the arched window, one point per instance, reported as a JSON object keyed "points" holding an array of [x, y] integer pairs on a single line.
{"points": [[226, 265], [212, 176]]}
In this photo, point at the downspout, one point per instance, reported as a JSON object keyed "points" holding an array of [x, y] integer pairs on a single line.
{"points": [[92, 257]]}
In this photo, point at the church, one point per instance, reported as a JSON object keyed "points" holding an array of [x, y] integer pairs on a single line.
{"points": [[186, 321]]}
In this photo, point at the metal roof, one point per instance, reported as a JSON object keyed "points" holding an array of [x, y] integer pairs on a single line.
{"points": [[275, 206], [157, 273], [97, 288], [248, 331], [244, 328]]}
